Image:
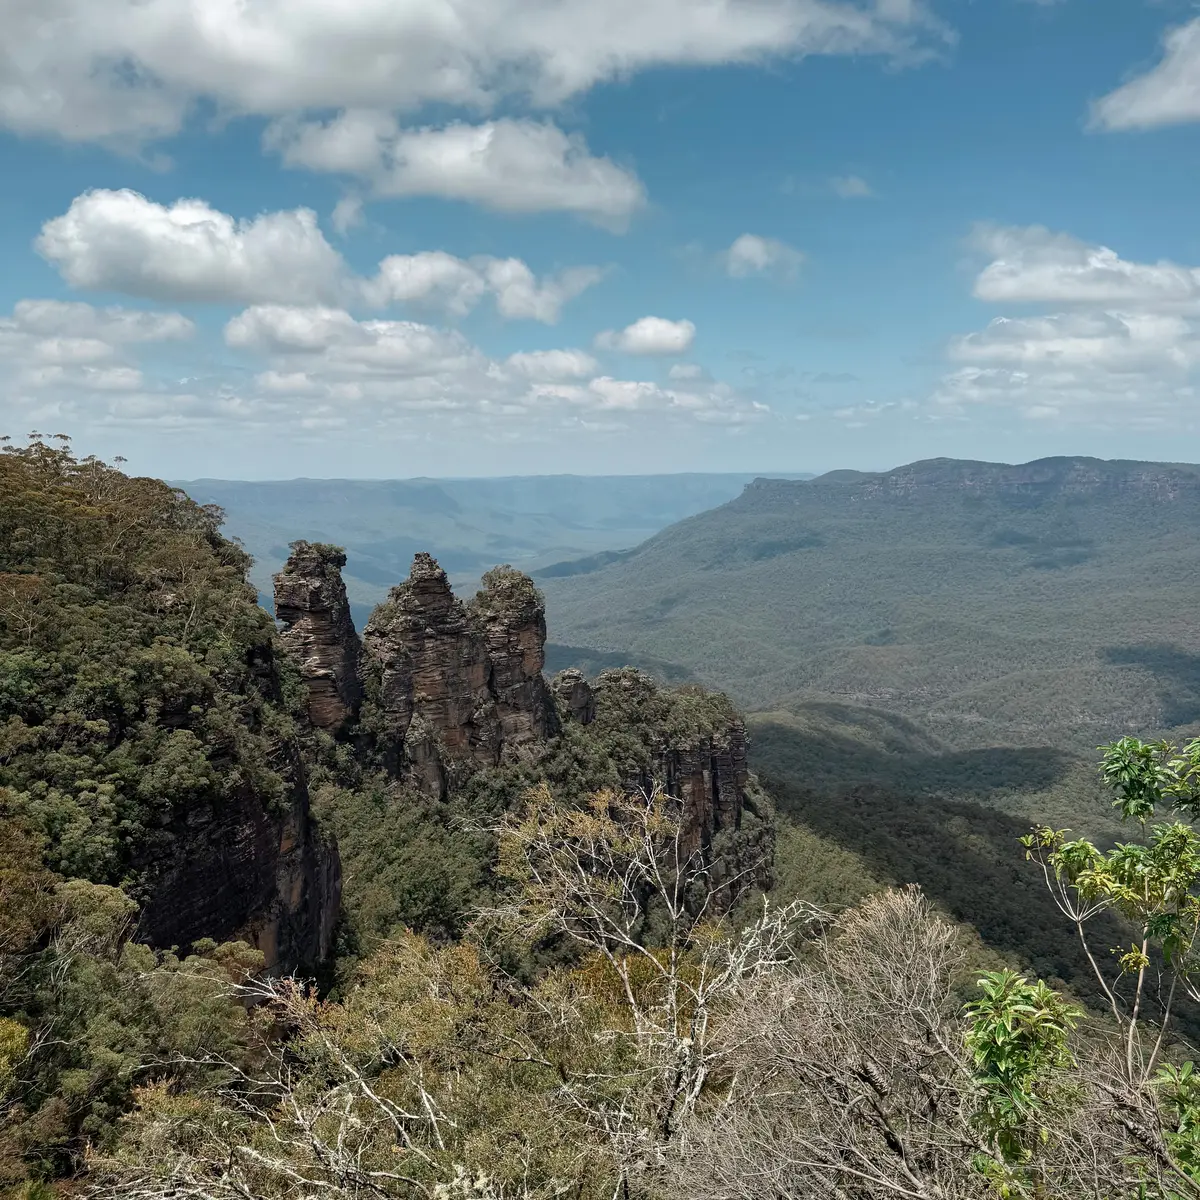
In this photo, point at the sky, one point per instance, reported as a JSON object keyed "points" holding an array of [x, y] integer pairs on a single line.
{"points": [[392, 238]]}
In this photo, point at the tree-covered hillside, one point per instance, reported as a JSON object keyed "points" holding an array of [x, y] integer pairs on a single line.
{"points": [[1049, 604], [532, 521]]}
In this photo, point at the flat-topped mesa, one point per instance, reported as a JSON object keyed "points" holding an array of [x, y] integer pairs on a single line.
{"points": [[429, 674], [512, 615], [310, 601]]}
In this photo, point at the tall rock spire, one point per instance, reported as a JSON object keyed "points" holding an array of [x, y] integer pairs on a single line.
{"points": [[310, 601]]}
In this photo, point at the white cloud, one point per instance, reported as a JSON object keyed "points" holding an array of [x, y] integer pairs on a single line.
{"points": [[715, 404], [1125, 350], [457, 285], [754, 255], [513, 166], [1167, 94], [850, 187], [132, 70], [1034, 265], [347, 214], [316, 369], [686, 371], [650, 335], [551, 365], [122, 242], [60, 318], [51, 346]]}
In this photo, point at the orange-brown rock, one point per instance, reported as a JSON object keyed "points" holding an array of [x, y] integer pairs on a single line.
{"points": [[426, 657], [512, 615], [311, 604]]}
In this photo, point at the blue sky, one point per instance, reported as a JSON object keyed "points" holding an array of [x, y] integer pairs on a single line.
{"points": [[457, 237]]}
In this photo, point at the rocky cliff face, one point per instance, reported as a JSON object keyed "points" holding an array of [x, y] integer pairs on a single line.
{"points": [[310, 601], [451, 688], [250, 867], [696, 751], [512, 615], [244, 872], [457, 686]]}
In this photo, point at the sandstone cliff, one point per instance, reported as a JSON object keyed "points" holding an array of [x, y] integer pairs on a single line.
{"points": [[694, 748], [453, 686], [450, 689], [251, 866], [245, 872], [310, 602]]}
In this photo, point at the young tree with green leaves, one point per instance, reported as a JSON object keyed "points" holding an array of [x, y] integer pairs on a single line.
{"points": [[1153, 885]]}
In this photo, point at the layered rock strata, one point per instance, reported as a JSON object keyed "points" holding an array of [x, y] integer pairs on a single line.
{"points": [[457, 686], [311, 604]]}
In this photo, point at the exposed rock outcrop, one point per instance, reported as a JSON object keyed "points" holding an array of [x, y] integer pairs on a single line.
{"points": [[696, 752], [456, 686], [426, 657], [310, 601], [573, 692], [251, 867], [244, 872], [512, 615]]}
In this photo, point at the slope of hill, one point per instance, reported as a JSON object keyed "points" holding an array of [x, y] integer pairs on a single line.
{"points": [[1049, 603], [475, 523]]}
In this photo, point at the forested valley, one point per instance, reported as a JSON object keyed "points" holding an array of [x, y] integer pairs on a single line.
{"points": [[295, 909]]}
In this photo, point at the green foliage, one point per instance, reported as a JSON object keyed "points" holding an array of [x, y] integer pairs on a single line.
{"points": [[138, 683], [1179, 1089], [1017, 1040], [137, 674], [413, 862]]}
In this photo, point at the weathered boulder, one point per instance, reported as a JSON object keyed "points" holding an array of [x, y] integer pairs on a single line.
{"points": [[311, 604]]}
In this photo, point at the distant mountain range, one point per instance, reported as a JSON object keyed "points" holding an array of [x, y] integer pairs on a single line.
{"points": [[1054, 602], [470, 524]]}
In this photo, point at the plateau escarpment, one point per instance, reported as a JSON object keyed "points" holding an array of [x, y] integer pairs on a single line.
{"points": [[994, 604]]}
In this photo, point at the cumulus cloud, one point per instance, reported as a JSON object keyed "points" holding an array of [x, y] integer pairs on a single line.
{"points": [[52, 345], [120, 241], [754, 255], [551, 365], [132, 70], [650, 335], [850, 187], [1122, 348], [324, 360], [118, 326], [1034, 265], [1167, 94], [123, 242], [512, 166]]}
